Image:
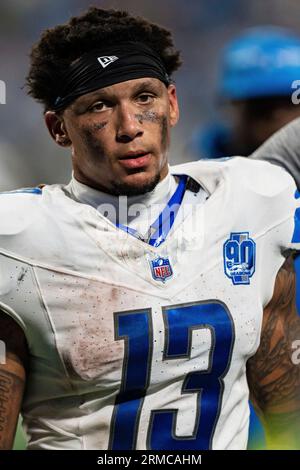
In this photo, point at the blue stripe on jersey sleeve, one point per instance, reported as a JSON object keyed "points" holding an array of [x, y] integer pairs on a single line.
{"points": [[296, 234], [24, 191]]}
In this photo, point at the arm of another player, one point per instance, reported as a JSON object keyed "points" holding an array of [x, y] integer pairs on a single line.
{"points": [[274, 380], [283, 149], [12, 378]]}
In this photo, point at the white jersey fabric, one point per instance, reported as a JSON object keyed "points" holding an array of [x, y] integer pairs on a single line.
{"points": [[120, 359]]}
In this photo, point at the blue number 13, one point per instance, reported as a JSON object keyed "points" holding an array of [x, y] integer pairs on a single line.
{"points": [[135, 327]]}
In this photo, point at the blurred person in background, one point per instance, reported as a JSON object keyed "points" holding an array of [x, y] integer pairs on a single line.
{"points": [[257, 70]]}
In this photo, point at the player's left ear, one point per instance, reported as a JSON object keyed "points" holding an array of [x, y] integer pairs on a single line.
{"points": [[57, 129], [173, 105]]}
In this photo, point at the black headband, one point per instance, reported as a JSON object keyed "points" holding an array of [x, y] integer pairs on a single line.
{"points": [[108, 66]]}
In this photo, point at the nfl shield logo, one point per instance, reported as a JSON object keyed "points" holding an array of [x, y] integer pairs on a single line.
{"points": [[161, 269]]}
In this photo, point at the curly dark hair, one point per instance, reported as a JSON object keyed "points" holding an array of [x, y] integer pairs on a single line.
{"points": [[58, 47]]}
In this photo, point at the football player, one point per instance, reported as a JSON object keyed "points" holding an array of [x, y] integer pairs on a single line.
{"points": [[141, 302]]}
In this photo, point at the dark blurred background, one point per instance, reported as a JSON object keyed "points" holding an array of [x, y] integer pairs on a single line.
{"points": [[201, 27]]}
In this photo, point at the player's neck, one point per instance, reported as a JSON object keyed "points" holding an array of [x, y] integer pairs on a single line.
{"points": [[121, 204]]}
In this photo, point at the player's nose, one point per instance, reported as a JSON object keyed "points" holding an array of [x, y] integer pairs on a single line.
{"points": [[129, 126]]}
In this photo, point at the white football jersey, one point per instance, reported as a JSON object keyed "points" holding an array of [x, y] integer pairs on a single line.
{"points": [[141, 347]]}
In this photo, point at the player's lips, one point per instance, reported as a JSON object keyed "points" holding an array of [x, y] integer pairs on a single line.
{"points": [[136, 159]]}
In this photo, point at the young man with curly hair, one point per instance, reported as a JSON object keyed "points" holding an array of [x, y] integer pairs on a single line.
{"points": [[141, 302]]}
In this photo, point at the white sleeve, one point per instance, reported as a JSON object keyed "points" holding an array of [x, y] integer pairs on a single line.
{"points": [[12, 272]]}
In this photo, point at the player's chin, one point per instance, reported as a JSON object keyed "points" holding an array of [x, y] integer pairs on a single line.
{"points": [[136, 182]]}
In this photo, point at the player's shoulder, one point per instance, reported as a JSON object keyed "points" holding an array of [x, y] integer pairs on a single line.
{"points": [[17, 207], [16, 195], [25, 211], [262, 177], [37, 227], [241, 173]]}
